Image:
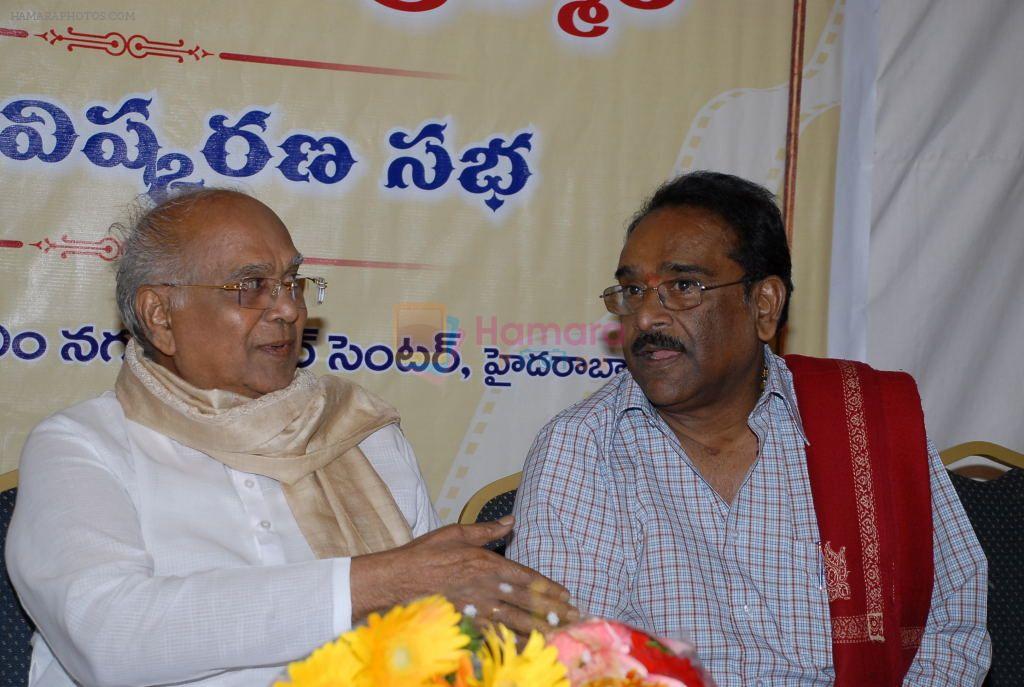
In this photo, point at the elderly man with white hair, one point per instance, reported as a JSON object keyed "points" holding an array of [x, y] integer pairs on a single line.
{"points": [[221, 513]]}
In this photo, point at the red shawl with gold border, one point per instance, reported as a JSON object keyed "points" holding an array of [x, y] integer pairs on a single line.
{"points": [[868, 467]]}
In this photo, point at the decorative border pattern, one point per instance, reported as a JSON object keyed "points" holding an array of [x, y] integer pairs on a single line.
{"points": [[107, 248], [140, 46], [868, 627], [115, 44], [837, 573], [850, 629]]}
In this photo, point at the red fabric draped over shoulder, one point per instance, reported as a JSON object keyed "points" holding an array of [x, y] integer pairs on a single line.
{"points": [[868, 464]]}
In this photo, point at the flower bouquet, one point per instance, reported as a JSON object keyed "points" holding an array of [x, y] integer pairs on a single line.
{"points": [[428, 643]]}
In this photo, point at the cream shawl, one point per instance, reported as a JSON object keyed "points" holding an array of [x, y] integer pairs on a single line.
{"points": [[305, 436]]}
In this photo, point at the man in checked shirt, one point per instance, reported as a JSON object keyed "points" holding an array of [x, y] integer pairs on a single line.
{"points": [[786, 514]]}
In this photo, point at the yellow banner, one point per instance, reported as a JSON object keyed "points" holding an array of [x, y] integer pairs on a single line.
{"points": [[460, 171]]}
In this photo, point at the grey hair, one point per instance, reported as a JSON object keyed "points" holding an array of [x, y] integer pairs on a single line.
{"points": [[153, 251]]}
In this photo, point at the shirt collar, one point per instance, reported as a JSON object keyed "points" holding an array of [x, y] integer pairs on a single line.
{"points": [[779, 383], [632, 397]]}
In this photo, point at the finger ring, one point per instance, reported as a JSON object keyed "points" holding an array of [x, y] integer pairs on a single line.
{"points": [[552, 619], [505, 588], [469, 610]]}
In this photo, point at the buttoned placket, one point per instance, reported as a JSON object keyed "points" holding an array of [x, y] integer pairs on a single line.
{"points": [[249, 488], [732, 526], [728, 532]]}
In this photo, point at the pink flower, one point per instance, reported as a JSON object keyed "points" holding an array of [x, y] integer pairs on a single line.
{"points": [[596, 648], [604, 651]]}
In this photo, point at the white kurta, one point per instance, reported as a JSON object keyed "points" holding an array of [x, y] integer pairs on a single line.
{"points": [[144, 562]]}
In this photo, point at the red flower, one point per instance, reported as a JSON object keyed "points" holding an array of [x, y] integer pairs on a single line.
{"points": [[659, 660]]}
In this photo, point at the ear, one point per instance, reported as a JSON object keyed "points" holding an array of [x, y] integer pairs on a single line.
{"points": [[768, 298], [154, 310]]}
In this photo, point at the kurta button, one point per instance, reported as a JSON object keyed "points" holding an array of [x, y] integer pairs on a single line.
{"points": [[250, 483], [265, 524]]}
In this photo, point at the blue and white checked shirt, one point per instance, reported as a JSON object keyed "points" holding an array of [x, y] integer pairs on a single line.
{"points": [[611, 506]]}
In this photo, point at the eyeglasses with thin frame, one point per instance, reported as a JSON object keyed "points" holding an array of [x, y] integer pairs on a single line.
{"points": [[674, 294], [260, 293]]}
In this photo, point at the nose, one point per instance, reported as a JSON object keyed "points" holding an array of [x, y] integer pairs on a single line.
{"points": [[652, 314], [284, 306]]}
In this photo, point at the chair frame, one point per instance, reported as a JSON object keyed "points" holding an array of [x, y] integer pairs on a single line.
{"points": [[476, 503], [9, 480], [985, 449]]}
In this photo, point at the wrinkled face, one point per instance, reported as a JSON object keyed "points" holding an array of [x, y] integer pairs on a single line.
{"points": [[215, 343], [687, 359]]}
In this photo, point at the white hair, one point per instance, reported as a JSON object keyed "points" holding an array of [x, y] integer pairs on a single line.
{"points": [[154, 251]]}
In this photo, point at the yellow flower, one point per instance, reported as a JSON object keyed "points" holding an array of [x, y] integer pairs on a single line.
{"points": [[537, 666], [410, 645], [332, 665], [463, 677]]}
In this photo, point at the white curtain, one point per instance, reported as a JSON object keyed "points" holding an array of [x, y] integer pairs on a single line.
{"points": [[929, 228]]}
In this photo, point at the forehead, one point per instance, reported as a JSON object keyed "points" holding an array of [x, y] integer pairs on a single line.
{"points": [[225, 234], [678, 236]]}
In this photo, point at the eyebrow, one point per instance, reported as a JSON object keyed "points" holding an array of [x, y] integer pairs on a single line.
{"points": [[626, 271], [679, 267], [259, 269]]}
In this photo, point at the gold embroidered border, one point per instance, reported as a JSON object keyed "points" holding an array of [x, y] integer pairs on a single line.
{"points": [[837, 574], [863, 486], [851, 629]]}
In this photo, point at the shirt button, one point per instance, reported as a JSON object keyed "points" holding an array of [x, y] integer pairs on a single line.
{"points": [[265, 524], [250, 483]]}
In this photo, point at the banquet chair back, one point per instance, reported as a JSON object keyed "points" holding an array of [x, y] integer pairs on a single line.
{"points": [[15, 627], [996, 511], [490, 502], [1000, 455]]}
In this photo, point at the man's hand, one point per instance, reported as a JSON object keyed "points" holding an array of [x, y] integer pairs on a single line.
{"points": [[451, 561]]}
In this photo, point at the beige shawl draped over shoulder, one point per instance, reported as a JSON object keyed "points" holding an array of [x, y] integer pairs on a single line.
{"points": [[306, 436]]}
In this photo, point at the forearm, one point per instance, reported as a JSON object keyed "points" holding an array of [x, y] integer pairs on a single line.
{"points": [[109, 628]]}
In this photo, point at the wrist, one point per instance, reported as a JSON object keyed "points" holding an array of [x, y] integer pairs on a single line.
{"points": [[370, 584]]}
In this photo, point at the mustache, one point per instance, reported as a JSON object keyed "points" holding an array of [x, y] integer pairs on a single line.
{"points": [[656, 340]]}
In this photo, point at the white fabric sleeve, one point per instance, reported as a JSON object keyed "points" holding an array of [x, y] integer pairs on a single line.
{"points": [[77, 558], [392, 457], [341, 595]]}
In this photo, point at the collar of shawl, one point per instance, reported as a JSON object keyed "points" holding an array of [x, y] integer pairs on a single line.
{"points": [[285, 434], [214, 406]]}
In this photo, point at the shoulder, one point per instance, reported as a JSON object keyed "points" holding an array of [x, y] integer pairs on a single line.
{"points": [[575, 440], [592, 415], [813, 378], [808, 366], [97, 422], [91, 435]]}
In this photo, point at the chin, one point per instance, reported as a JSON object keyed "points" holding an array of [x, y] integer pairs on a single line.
{"points": [[268, 384], [660, 391]]}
